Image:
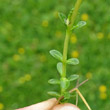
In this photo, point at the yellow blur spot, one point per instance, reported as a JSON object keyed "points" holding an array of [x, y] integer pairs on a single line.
{"points": [[43, 58], [45, 23], [75, 54], [1, 106], [16, 57], [56, 14], [102, 88], [21, 51], [27, 77], [108, 36], [84, 17], [21, 80], [89, 75], [100, 35], [73, 39], [1, 88], [58, 34], [103, 96]]}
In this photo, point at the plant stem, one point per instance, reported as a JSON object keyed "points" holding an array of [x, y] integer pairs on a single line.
{"points": [[76, 93], [74, 14], [68, 34], [84, 100], [65, 50]]}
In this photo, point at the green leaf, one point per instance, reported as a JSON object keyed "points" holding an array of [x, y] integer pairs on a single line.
{"points": [[67, 95], [53, 93], [74, 27], [73, 61], [62, 17], [73, 77], [79, 25], [56, 54], [54, 81], [64, 83], [59, 68], [70, 13]]}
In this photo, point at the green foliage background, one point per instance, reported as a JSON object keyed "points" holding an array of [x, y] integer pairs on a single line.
{"points": [[29, 29]]}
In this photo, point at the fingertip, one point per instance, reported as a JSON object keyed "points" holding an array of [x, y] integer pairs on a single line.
{"points": [[52, 99]]}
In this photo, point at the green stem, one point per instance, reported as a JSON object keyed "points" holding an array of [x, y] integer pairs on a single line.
{"points": [[68, 34], [74, 14]]}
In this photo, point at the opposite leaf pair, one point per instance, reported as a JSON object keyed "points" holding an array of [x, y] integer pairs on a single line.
{"points": [[56, 81], [66, 21], [56, 54]]}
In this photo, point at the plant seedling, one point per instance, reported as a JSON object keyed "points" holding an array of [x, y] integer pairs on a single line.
{"points": [[64, 81]]}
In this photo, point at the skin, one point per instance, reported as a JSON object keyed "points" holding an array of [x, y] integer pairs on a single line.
{"points": [[48, 104], [66, 106]]}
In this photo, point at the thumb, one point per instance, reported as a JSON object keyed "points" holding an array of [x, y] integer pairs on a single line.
{"points": [[45, 105], [66, 106]]}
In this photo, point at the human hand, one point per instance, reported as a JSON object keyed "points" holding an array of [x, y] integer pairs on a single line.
{"points": [[50, 105], [45, 105]]}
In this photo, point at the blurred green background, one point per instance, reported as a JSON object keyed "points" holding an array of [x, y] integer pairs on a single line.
{"points": [[30, 28]]}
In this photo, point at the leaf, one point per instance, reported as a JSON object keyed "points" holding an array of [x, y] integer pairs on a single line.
{"points": [[64, 83], [62, 17], [74, 27], [79, 25], [54, 81], [73, 77], [67, 95], [53, 93], [70, 13], [56, 54], [73, 61], [59, 68]]}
